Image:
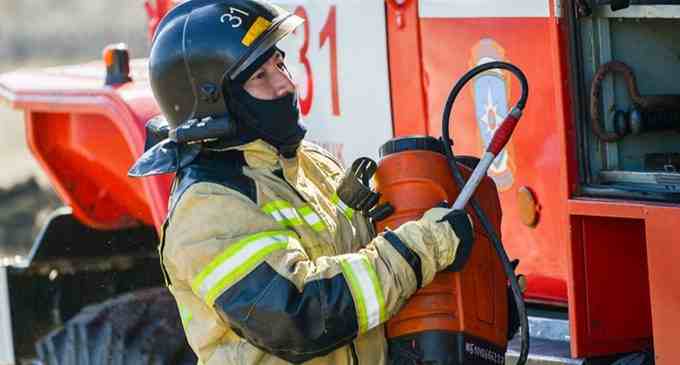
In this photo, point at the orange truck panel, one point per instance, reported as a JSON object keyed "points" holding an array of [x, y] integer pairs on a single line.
{"points": [[72, 122], [617, 302], [467, 41]]}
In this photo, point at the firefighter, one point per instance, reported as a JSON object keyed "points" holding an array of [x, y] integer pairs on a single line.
{"points": [[266, 263]]}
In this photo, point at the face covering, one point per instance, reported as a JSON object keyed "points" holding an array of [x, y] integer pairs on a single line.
{"points": [[275, 121]]}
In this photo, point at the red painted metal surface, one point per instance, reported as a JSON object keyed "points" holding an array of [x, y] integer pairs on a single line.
{"points": [[619, 300], [409, 111], [85, 136], [612, 308], [155, 10], [534, 151], [663, 251], [658, 290], [662, 245]]}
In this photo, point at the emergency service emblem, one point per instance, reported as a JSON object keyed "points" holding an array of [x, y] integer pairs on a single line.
{"points": [[490, 93]]}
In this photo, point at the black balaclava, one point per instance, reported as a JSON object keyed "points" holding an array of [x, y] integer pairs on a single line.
{"points": [[275, 121]]}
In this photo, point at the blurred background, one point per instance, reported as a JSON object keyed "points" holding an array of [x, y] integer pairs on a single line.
{"points": [[41, 33], [48, 32]]}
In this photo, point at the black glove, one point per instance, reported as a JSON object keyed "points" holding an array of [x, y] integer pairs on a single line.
{"points": [[461, 224]]}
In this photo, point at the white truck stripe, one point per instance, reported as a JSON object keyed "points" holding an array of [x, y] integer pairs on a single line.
{"points": [[484, 8], [6, 342]]}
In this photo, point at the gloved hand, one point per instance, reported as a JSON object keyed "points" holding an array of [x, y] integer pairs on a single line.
{"points": [[456, 227]]}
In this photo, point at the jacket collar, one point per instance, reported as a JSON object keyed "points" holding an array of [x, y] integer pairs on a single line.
{"points": [[168, 157], [262, 155], [259, 154]]}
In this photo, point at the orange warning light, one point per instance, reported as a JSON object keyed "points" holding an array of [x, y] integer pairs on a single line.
{"points": [[117, 62]]}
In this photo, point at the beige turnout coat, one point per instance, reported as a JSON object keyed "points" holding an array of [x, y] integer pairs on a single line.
{"points": [[268, 266]]}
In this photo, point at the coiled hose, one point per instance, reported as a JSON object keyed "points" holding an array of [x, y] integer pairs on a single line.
{"points": [[457, 175]]}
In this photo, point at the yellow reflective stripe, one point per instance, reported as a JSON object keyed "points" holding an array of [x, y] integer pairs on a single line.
{"points": [[313, 219], [347, 211], [366, 291], [236, 261], [260, 25], [185, 314], [283, 212]]}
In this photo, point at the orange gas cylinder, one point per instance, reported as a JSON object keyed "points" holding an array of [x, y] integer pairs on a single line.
{"points": [[461, 317]]}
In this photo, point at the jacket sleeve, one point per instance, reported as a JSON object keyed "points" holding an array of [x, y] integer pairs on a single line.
{"points": [[255, 275]]}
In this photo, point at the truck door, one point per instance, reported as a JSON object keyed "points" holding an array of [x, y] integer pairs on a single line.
{"points": [[623, 245], [432, 44]]}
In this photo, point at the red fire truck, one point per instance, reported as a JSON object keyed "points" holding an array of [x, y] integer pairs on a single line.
{"points": [[589, 184]]}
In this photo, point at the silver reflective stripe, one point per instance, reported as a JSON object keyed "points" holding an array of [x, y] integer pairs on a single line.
{"points": [[236, 261], [366, 291], [342, 207], [283, 212], [185, 315], [312, 219], [288, 216]]}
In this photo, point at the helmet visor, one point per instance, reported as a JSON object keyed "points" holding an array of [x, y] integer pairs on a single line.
{"points": [[279, 30]]}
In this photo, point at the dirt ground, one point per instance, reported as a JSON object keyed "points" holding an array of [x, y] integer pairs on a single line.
{"points": [[25, 194]]}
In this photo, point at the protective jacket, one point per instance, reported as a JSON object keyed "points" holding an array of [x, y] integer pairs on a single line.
{"points": [[268, 266]]}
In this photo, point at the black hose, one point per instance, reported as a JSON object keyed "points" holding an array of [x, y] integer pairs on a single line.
{"points": [[488, 228]]}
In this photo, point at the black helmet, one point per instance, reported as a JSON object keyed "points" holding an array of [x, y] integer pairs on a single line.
{"points": [[202, 44]]}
